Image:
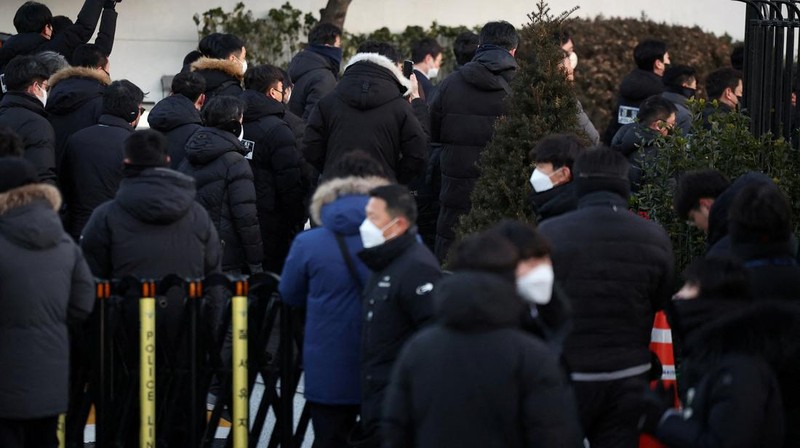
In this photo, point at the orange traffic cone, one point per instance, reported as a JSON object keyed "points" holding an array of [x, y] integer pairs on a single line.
{"points": [[661, 345]]}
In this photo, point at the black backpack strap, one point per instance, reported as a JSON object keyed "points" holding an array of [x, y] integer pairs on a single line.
{"points": [[348, 260], [504, 84]]}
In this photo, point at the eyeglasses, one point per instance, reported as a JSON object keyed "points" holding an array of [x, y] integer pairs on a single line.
{"points": [[141, 110]]}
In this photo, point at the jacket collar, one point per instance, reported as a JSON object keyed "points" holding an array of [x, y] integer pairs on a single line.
{"points": [[112, 120], [603, 199], [24, 101], [227, 66], [380, 257]]}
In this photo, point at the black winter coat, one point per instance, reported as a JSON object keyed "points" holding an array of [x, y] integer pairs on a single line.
{"points": [[397, 303], [463, 113], [773, 270], [278, 172], [635, 87], [92, 169], [223, 76], [617, 270], [64, 43], [718, 241], [549, 204], [225, 188], [314, 76], [152, 228], [25, 115], [637, 143], [75, 102], [45, 285], [176, 117], [367, 111], [683, 118], [475, 379]]}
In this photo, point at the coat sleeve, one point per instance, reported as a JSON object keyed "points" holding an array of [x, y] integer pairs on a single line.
{"points": [[413, 148], [96, 243], [290, 183], [397, 425], [436, 114], [78, 33], [295, 276], [316, 90], [40, 149], [586, 125], [212, 262], [416, 290], [423, 115], [108, 28], [242, 197], [81, 296], [315, 140]]}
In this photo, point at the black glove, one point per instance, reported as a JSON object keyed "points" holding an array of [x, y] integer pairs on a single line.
{"points": [[655, 402], [110, 4]]}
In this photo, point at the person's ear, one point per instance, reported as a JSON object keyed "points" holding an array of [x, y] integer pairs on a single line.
{"points": [[200, 101], [706, 202], [513, 52], [565, 174]]}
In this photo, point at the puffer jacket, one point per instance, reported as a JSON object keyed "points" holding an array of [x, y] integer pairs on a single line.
{"points": [[25, 115], [176, 117], [223, 76], [45, 285], [314, 75], [225, 188]]}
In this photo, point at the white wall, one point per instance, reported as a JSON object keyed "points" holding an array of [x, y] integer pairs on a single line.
{"points": [[154, 35]]}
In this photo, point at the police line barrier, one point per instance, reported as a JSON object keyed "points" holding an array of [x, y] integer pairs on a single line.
{"points": [[154, 353]]}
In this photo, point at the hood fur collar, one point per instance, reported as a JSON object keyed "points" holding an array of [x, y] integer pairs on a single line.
{"points": [[232, 68], [384, 62], [17, 197], [333, 189], [80, 72]]}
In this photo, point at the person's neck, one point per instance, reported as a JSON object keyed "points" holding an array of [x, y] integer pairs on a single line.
{"points": [[422, 68]]}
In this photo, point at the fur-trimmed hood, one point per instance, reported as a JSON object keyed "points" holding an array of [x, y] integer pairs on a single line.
{"points": [[371, 80], [227, 66], [384, 62], [79, 72], [73, 87], [334, 189], [28, 216]]}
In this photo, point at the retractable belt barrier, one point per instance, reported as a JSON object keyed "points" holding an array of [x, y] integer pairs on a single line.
{"points": [[174, 363]]}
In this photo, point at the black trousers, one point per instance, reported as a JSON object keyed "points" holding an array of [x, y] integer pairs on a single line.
{"points": [[33, 433], [610, 411], [332, 424]]}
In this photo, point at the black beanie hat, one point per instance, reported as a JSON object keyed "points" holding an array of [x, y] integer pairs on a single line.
{"points": [[16, 172]]}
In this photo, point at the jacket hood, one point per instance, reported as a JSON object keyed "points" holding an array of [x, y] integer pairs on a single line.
{"points": [[633, 135], [228, 67], [172, 112], [371, 80], [640, 84], [157, 195], [308, 61], [718, 215], [477, 301], [483, 70], [339, 217], [18, 206], [73, 87], [23, 100], [23, 43], [260, 105], [207, 144]]}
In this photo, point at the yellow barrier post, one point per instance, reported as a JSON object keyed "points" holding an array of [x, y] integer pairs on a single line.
{"points": [[60, 431], [241, 402], [147, 366]]}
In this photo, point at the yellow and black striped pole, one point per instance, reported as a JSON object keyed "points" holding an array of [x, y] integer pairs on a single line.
{"points": [[147, 365], [241, 423], [61, 431]]}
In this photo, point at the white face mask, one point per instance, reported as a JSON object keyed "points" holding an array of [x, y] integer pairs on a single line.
{"points": [[43, 98], [433, 72], [372, 235], [537, 285], [241, 134], [244, 66], [540, 181], [573, 60]]}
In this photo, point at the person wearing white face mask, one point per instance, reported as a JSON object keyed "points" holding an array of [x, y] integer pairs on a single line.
{"points": [[427, 57], [223, 64], [397, 299], [553, 191], [22, 110]]}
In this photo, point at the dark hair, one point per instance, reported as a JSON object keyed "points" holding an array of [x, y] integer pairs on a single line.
{"points": [[222, 110], [220, 46], [696, 185], [60, 23], [89, 55], [678, 75], [655, 108], [737, 57], [54, 62], [122, 99], [22, 71], [189, 84], [424, 47], [191, 57], [719, 80], [464, 47], [146, 148], [502, 34], [719, 278], [399, 201], [287, 80], [561, 37], [263, 77], [602, 162], [355, 163], [10, 143], [529, 242], [647, 52], [760, 213], [487, 252], [382, 48], [324, 34], [559, 149], [32, 17]]}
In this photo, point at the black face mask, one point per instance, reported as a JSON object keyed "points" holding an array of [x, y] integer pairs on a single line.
{"points": [[738, 101], [688, 92], [234, 127]]}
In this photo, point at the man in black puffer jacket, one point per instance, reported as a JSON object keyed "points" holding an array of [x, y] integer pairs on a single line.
{"points": [[45, 287], [215, 158], [277, 166], [463, 114], [223, 64], [75, 101], [617, 270], [368, 111], [476, 379], [315, 70], [91, 167], [178, 115]]}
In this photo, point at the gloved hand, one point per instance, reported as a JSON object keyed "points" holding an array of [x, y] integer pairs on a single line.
{"points": [[655, 402]]}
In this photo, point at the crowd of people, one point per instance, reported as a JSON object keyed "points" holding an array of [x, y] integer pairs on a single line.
{"points": [[348, 179]]}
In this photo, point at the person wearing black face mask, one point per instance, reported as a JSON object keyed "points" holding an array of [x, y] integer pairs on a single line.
{"points": [[680, 82], [315, 70], [725, 87]]}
